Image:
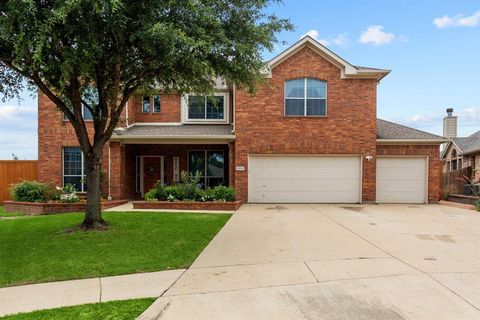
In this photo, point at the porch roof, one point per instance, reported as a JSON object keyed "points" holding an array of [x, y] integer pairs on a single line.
{"points": [[172, 132]]}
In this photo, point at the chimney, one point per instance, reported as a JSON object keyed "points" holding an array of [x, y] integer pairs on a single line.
{"points": [[450, 124]]}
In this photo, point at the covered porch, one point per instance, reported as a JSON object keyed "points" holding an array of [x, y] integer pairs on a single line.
{"points": [[139, 158]]}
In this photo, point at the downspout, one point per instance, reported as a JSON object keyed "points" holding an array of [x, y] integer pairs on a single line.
{"points": [[233, 107]]}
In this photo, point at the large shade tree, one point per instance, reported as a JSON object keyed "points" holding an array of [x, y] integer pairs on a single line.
{"points": [[97, 53]]}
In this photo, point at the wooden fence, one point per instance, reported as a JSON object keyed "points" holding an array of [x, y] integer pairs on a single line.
{"points": [[451, 183], [12, 171]]}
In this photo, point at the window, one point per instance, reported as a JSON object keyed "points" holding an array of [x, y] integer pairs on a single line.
{"points": [[74, 168], [151, 104], [90, 96], [206, 107], [210, 164], [305, 97]]}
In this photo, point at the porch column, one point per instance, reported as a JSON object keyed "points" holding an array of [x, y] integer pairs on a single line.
{"points": [[117, 171], [231, 164]]}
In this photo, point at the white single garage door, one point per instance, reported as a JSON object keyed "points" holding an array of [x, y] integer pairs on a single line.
{"points": [[302, 178], [402, 180]]}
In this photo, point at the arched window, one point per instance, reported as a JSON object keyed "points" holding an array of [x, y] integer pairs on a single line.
{"points": [[305, 97]]}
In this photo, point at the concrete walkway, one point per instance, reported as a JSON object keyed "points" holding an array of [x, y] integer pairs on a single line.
{"points": [[334, 262], [129, 207], [68, 293]]}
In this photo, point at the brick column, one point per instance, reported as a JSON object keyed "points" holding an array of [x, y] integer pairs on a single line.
{"points": [[117, 171], [231, 164]]}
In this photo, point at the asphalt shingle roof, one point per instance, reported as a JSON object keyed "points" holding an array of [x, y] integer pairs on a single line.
{"points": [[469, 144], [390, 130], [175, 130], [385, 130]]}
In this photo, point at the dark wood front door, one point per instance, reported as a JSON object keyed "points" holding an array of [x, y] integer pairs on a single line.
{"points": [[152, 172]]}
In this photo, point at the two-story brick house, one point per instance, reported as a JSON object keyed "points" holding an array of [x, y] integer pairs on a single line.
{"points": [[310, 134]]}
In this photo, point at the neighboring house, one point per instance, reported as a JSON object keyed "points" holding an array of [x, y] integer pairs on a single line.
{"points": [[310, 134], [462, 152]]}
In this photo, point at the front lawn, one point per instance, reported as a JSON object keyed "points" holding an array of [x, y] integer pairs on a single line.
{"points": [[9, 214], [41, 249], [118, 310]]}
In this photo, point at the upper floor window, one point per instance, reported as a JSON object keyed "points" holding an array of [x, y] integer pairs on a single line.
{"points": [[305, 97], [206, 107], [151, 104], [90, 97]]}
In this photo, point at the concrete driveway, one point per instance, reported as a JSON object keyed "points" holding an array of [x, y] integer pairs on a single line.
{"points": [[334, 262]]}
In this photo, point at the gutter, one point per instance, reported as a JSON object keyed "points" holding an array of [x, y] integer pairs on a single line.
{"points": [[411, 141], [211, 137]]}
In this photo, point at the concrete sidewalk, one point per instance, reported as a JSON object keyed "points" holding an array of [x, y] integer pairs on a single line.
{"points": [[68, 293], [334, 262]]}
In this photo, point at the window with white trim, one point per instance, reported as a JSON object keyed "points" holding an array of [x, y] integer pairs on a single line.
{"points": [[206, 107], [90, 97], [210, 164], [74, 168], [151, 104], [305, 97]]}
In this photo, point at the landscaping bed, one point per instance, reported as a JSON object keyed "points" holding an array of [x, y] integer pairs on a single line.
{"points": [[39, 208], [188, 205]]}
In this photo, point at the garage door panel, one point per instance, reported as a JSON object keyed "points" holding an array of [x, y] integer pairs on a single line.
{"points": [[329, 179], [401, 180]]}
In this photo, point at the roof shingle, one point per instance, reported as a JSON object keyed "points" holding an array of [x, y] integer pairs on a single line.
{"points": [[390, 130], [167, 131]]}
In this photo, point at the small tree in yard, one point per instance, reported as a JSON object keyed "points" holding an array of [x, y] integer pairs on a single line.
{"points": [[97, 53]]}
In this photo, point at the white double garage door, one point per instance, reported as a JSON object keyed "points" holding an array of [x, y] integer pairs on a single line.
{"points": [[334, 179]]}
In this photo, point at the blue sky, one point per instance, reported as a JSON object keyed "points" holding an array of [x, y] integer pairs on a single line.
{"points": [[431, 46]]}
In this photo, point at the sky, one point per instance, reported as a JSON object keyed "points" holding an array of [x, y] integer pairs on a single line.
{"points": [[431, 46]]}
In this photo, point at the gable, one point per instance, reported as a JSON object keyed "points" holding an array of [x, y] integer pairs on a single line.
{"points": [[446, 153], [347, 70]]}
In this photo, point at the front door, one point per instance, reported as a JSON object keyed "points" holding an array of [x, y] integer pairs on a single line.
{"points": [[152, 172]]}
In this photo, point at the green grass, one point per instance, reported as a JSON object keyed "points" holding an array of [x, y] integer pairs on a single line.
{"points": [[115, 310], [9, 214], [38, 249]]}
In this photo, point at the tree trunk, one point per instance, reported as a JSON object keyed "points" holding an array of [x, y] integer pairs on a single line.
{"points": [[93, 214]]}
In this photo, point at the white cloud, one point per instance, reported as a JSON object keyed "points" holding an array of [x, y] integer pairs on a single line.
{"points": [[339, 40], [9, 112], [312, 33], [469, 117], [375, 34], [458, 20]]}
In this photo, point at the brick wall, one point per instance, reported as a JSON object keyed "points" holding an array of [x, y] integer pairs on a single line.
{"points": [[434, 163], [169, 110], [349, 128], [123, 163], [53, 134]]}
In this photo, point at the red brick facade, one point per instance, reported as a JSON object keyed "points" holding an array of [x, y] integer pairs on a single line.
{"points": [[348, 128], [434, 163], [260, 128]]}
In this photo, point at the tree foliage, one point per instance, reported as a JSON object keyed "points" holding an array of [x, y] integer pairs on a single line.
{"points": [[116, 47]]}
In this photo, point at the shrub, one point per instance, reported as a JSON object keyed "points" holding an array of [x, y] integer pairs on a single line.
{"points": [[31, 191], [189, 186], [188, 189], [151, 195], [67, 194], [222, 193], [175, 192]]}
